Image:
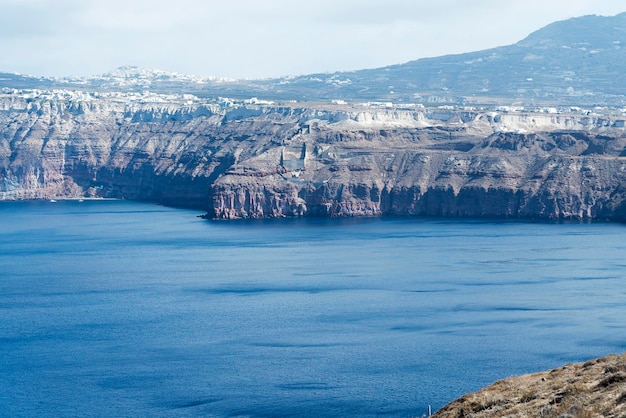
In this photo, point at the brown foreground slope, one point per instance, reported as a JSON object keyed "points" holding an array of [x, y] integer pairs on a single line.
{"points": [[596, 388]]}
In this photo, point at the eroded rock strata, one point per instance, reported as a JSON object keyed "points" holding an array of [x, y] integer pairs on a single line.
{"points": [[253, 161]]}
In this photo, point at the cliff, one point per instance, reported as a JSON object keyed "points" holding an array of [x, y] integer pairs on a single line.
{"points": [[246, 160], [595, 388], [148, 147]]}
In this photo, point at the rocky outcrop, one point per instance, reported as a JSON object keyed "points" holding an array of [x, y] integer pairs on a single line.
{"points": [[253, 161], [596, 388]]}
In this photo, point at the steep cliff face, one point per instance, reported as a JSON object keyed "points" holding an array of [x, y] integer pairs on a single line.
{"points": [[160, 152], [446, 170], [251, 161]]}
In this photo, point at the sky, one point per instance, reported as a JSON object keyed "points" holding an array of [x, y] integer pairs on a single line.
{"points": [[262, 38]]}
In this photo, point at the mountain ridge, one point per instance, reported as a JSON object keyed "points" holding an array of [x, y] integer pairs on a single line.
{"points": [[580, 60]]}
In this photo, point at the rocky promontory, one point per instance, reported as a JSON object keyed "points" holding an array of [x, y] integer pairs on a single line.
{"points": [[253, 159], [596, 388]]}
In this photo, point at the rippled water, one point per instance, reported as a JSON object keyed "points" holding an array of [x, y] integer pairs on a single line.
{"points": [[130, 309]]}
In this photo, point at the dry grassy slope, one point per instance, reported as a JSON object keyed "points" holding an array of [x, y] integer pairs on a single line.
{"points": [[596, 388]]}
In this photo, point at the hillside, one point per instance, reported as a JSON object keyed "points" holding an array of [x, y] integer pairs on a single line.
{"points": [[596, 388], [580, 61]]}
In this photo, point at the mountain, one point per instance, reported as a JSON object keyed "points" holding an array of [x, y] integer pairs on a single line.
{"points": [[580, 60], [572, 62], [340, 144]]}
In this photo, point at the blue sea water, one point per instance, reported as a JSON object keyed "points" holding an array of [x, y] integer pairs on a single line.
{"points": [[113, 308]]}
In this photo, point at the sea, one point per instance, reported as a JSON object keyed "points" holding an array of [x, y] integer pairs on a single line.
{"points": [[127, 309]]}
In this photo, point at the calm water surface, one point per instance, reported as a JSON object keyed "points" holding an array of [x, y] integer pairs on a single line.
{"points": [[129, 309]]}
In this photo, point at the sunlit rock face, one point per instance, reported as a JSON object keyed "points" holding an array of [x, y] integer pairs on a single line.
{"points": [[251, 160], [444, 171]]}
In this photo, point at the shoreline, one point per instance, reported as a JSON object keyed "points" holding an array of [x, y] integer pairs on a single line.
{"points": [[206, 216]]}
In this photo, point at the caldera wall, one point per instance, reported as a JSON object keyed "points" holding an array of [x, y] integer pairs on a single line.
{"points": [[253, 161]]}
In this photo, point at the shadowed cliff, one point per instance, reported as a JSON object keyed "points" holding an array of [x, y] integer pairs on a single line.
{"points": [[253, 161]]}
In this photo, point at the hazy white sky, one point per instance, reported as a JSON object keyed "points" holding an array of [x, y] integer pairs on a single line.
{"points": [[262, 38]]}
